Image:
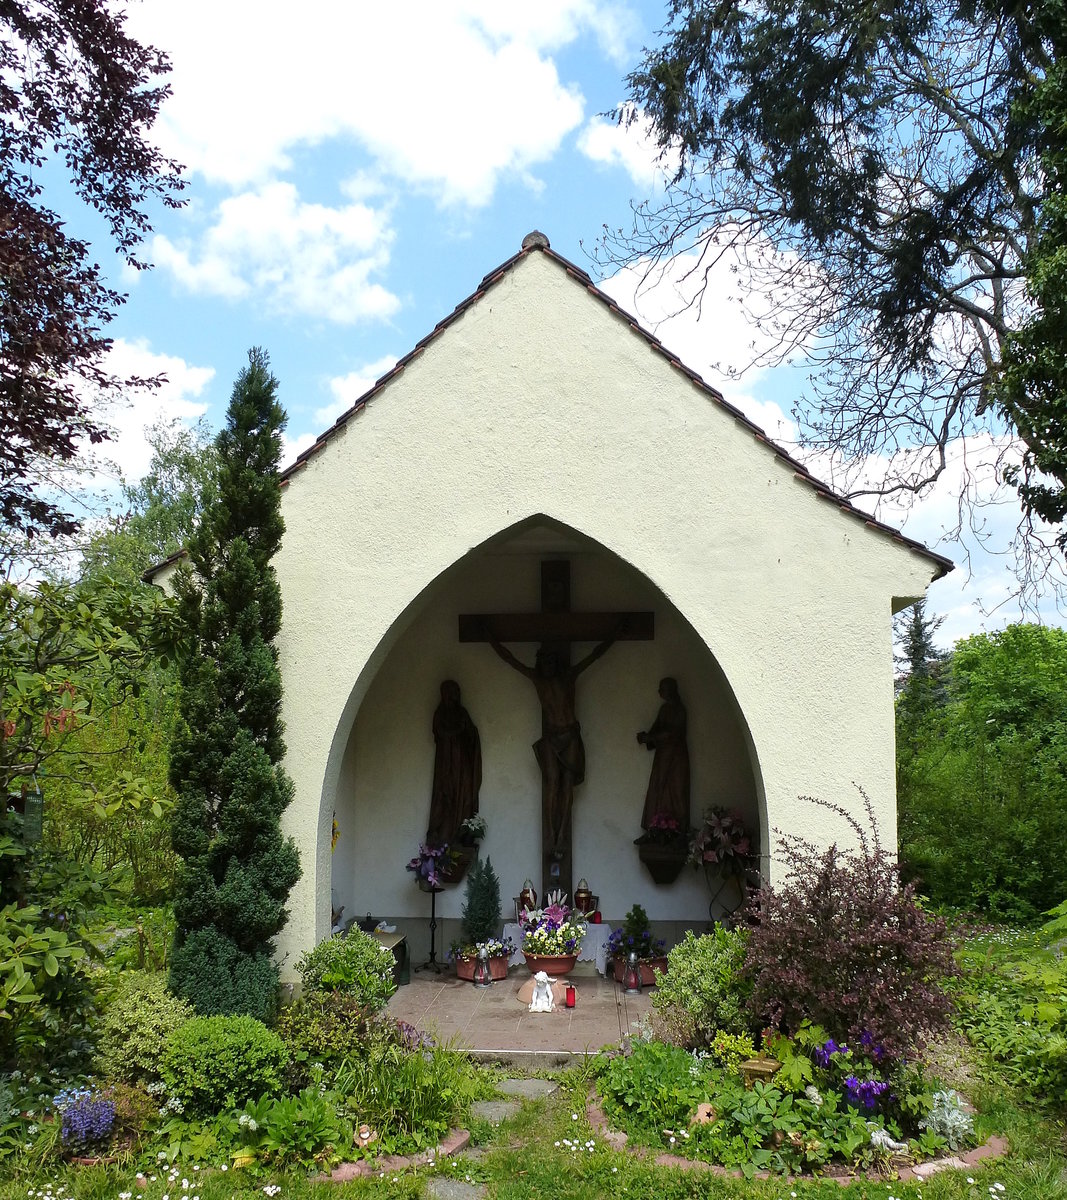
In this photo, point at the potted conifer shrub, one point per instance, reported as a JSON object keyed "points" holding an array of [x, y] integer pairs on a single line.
{"points": [[481, 924], [635, 936]]}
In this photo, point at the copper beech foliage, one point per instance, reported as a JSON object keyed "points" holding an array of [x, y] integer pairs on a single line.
{"points": [[77, 96], [844, 944]]}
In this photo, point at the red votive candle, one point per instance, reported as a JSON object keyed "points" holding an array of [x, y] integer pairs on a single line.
{"points": [[596, 917], [571, 996]]}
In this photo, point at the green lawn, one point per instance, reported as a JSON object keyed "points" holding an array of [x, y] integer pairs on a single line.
{"points": [[548, 1151]]}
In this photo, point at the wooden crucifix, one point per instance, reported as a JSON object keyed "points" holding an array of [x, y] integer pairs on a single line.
{"points": [[560, 752]]}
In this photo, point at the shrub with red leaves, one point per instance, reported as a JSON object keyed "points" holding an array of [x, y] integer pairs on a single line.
{"points": [[844, 944]]}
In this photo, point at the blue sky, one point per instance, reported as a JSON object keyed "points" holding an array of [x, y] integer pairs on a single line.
{"points": [[353, 173]]}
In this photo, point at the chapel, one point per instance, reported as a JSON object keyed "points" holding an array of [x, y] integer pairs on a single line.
{"points": [[540, 475]]}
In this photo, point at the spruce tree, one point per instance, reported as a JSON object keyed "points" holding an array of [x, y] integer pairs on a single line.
{"points": [[481, 911], [237, 868], [922, 687]]}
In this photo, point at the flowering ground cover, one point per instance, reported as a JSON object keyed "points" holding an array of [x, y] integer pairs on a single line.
{"points": [[549, 1149], [192, 1108]]}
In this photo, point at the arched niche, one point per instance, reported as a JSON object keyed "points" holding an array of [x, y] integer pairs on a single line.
{"points": [[383, 747]]}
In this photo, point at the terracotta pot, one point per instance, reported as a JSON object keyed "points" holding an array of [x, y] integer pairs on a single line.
{"points": [[664, 862], [552, 964], [651, 968], [498, 967]]}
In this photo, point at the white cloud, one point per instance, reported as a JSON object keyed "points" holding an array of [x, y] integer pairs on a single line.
{"points": [[347, 389], [176, 399], [693, 305], [553, 24], [630, 145], [292, 446], [294, 257], [446, 97]]}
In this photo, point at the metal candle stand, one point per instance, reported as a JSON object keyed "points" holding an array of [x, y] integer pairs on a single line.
{"points": [[431, 964]]}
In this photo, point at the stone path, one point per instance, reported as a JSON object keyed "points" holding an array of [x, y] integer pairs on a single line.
{"points": [[456, 1145], [492, 1022]]}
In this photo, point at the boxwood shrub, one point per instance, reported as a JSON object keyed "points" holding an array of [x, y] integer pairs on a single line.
{"points": [[705, 989], [213, 1064]]}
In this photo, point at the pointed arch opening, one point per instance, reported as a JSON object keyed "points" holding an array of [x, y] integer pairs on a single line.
{"points": [[378, 780]]}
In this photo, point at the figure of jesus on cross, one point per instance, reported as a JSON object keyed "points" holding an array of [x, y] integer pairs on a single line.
{"points": [[559, 751]]}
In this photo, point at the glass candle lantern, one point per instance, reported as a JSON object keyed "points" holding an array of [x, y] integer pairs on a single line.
{"points": [[631, 980], [483, 976], [571, 996]]}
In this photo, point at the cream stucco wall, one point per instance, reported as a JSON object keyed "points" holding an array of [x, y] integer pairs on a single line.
{"points": [[537, 399]]}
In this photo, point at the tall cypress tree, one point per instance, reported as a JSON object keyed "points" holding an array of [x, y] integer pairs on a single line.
{"points": [[237, 868]]}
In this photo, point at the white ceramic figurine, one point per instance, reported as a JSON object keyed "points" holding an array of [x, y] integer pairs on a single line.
{"points": [[543, 1000]]}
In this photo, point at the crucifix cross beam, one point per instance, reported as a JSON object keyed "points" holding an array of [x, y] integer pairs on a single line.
{"points": [[557, 628], [560, 752]]}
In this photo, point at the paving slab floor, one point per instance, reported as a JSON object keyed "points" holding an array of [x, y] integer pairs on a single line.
{"points": [[493, 1021]]}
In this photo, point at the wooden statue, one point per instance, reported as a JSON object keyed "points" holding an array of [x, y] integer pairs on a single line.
{"points": [[668, 783], [457, 768]]}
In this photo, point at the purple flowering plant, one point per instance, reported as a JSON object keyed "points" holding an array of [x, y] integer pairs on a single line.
{"points": [[86, 1117], [552, 930], [432, 862], [865, 1093], [862, 1085], [635, 934]]}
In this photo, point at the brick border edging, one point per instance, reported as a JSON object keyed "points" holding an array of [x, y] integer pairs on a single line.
{"points": [[364, 1168], [994, 1147]]}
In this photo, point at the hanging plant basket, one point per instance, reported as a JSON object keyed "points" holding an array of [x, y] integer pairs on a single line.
{"points": [[663, 860], [457, 868]]}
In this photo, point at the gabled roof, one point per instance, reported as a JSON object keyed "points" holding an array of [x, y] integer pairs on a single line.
{"points": [[537, 243]]}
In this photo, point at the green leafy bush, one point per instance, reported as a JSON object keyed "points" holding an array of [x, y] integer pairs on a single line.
{"points": [[215, 1063], [730, 1050], [44, 993], [766, 1127], [1012, 1004], [146, 946], [329, 1028], [216, 977], [653, 1093], [355, 963], [656, 1087], [411, 1098], [982, 776], [137, 1024], [303, 1128], [705, 989]]}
